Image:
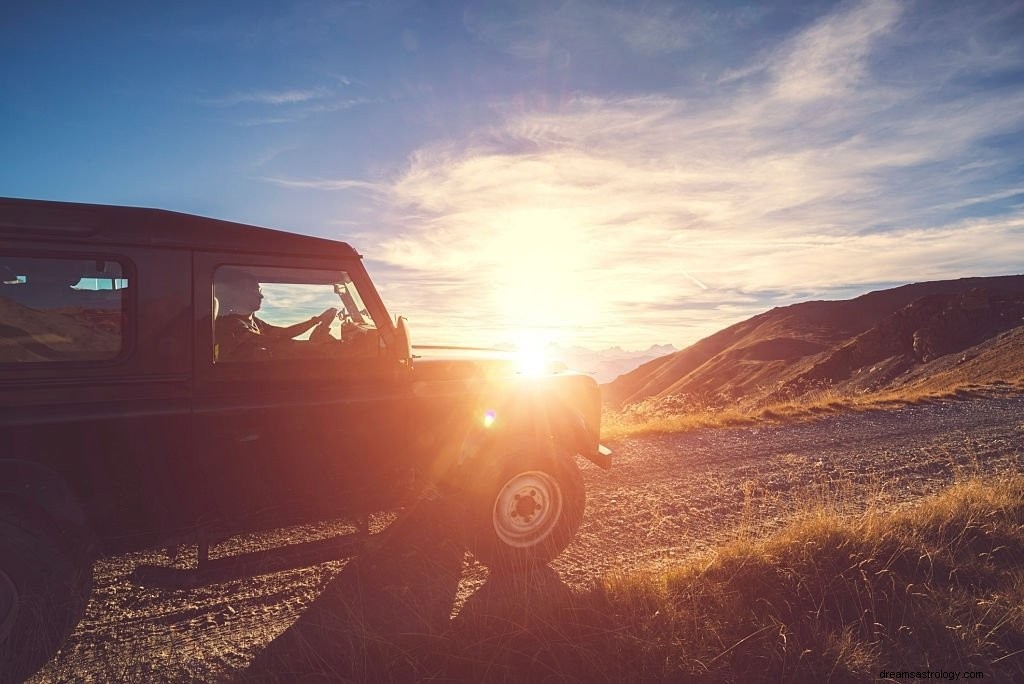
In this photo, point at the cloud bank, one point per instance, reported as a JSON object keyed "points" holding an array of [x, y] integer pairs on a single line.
{"points": [[856, 153]]}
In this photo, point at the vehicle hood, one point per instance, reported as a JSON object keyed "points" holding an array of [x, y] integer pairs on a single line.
{"points": [[455, 363]]}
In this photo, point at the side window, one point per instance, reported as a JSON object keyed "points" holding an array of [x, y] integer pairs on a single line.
{"points": [[56, 309], [263, 314]]}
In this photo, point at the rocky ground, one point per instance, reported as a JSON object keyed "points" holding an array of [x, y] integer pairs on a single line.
{"points": [[261, 614]]}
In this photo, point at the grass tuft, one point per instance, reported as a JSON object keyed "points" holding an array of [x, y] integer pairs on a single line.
{"points": [[829, 597]]}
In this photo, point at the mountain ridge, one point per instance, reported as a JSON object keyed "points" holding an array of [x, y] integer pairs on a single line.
{"points": [[882, 339]]}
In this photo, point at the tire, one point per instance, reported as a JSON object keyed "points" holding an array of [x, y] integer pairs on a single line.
{"points": [[45, 580], [525, 505]]}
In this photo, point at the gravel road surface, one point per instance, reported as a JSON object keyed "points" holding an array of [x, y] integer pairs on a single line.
{"points": [[666, 498]]}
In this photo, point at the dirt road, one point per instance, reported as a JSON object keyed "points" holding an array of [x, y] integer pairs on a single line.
{"points": [[666, 498]]}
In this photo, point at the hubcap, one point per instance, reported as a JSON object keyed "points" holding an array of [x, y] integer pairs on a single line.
{"points": [[8, 605], [527, 509]]}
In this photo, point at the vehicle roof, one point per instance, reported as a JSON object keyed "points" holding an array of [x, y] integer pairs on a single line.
{"points": [[109, 225]]}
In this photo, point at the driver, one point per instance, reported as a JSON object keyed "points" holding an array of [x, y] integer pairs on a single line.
{"points": [[240, 334]]}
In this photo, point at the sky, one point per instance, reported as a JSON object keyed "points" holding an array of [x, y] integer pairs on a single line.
{"points": [[593, 173]]}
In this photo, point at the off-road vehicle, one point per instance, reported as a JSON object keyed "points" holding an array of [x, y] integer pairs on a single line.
{"points": [[167, 377]]}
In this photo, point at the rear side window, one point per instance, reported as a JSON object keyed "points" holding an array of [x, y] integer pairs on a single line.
{"points": [[58, 310]]}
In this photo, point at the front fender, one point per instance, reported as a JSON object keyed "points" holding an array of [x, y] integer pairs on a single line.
{"points": [[574, 434], [568, 429]]}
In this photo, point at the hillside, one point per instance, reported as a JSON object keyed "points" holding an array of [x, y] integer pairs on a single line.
{"points": [[69, 334], [938, 335]]}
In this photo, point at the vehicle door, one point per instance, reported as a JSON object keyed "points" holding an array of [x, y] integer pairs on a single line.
{"points": [[94, 377], [297, 412]]}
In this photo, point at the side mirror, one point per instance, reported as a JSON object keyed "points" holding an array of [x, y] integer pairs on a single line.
{"points": [[403, 346]]}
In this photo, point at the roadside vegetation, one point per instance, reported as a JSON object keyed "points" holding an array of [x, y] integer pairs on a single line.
{"points": [[832, 597], [936, 586], [681, 413]]}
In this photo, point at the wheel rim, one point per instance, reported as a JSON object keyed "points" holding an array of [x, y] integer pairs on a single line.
{"points": [[8, 605], [527, 509]]}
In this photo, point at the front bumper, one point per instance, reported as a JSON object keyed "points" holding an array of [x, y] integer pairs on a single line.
{"points": [[603, 457]]}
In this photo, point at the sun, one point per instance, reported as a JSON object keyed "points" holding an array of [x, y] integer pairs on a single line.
{"points": [[531, 354], [542, 277]]}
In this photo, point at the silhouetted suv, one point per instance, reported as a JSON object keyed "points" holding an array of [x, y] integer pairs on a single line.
{"points": [[167, 377]]}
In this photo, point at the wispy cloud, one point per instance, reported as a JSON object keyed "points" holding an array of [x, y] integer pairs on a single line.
{"points": [[541, 30], [1016, 192], [327, 184], [830, 58], [304, 110], [268, 97]]}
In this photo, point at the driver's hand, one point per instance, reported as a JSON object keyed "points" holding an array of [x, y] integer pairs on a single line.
{"points": [[322, 331], [327, 316]]}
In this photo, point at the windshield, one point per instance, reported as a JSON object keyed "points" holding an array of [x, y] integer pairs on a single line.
{"points": [[352, 303]]}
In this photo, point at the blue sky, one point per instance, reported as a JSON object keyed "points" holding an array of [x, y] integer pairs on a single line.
{"points": [[591, 172]]}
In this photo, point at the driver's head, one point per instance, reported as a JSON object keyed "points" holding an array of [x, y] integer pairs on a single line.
{"points": [[237, 291]]}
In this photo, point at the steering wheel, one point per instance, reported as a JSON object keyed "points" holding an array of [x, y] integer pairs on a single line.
{"points": [[348, 331]]}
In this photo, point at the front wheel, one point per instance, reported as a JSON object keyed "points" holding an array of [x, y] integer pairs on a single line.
{"points": [[525, 506]]}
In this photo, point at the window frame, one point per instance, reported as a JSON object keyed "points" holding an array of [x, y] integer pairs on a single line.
{"points": [[251, 268], [129, 310], [257, 376]]}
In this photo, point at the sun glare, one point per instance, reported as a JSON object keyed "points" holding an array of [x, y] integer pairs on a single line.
{"points": [[531, 356], [543, 274]]}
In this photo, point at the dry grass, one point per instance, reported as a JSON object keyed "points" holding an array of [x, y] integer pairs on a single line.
{"points": [[682, 413], [830, 598]]}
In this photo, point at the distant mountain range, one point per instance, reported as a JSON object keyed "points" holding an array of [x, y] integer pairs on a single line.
{"points": [[607, 364], [931, 336]]}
